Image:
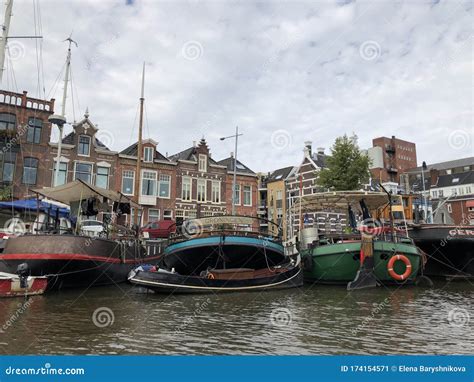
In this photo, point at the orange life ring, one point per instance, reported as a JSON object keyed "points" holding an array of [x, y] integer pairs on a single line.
{"points": [[395, 275], [210, 276]]}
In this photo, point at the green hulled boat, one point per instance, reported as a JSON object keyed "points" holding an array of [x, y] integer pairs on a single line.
{"points": [[339, 263], [366, 253]]}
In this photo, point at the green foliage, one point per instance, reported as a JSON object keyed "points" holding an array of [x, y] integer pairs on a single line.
{"points": [[5, 193], [347, 168]]}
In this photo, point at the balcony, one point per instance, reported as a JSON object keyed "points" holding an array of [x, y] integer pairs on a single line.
{"points": [[146, 200], [22, 100]]}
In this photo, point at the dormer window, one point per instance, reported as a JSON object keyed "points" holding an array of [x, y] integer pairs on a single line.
{"points": [[84, 145], [148, 154], [202, 162]]}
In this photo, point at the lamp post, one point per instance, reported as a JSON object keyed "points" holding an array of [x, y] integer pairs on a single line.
{"points": [[234, 182], [423, 199]]}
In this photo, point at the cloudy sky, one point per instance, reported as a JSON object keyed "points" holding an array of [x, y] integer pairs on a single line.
{"points": [[284, 72]]}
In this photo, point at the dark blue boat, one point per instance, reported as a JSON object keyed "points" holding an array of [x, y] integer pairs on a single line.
{"points": [[222, 254]]}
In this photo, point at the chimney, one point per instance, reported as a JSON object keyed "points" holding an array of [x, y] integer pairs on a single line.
{"points": [[231, 154], [307, 147], [320, 150], [434, 174]]}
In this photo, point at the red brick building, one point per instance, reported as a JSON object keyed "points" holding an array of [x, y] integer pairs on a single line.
{"points": [[200, 183], [391, 157], [246, 188], [24, 137], [157, 194]]}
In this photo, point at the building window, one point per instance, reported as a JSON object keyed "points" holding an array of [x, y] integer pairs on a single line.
{"points": [[8, 169], [201, 190], [132, 216], [128, 181], [202, 162], [153, 215], [440, 193], [237, 194], [84, 145], [167, 215], [247, 195], [186, 189], [468, 189], [34, 130], [148, 154], [435, 194], [450, 209], [164, 186], [102, 177], [149, 183], [83, 172], [449, 171], [7, 121], [30, 170], [216, 192], [62, 174]]}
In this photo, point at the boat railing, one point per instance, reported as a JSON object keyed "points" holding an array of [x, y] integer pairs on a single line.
{"points": [[396, 237]]}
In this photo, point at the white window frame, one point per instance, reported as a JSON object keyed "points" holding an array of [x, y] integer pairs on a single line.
{"points": [[152, 178], [148, 154], [237, 192], [165, 215], [449, 207], [79, 142], [128, 177], [92, 170], [216, 185], [97, 174], [158, 215], [243, 194], [202, 164], [186, 180], [201, 185], [54, 173], [161, 179]]}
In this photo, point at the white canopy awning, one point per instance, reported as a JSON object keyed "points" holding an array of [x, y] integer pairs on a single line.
{"points": [[79, 190]]}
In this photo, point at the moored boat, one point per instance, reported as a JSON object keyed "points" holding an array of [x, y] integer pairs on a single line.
{"points": [[76, 260], [449, 248], [222, 254], [21, 284], [364, 256]]}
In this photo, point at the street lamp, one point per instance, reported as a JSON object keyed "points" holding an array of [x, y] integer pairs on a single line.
{"points": [[234, 183], [425, 205]]}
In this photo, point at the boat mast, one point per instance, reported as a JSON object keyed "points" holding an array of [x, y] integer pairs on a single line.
{"points": [[139, 145], [60, 120], [3, 42]]}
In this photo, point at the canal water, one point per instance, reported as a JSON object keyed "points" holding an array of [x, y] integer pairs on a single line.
{"points": [[311, 320]]}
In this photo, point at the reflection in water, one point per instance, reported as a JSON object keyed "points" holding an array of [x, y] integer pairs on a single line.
{"points": [[310, 320]]}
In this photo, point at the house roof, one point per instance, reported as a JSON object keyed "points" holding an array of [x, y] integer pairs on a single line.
{"points": [[455, 179], [280, 174], [241, 168], [189, 154], [320, 159], [70, 138], [132, 151], [445, 165]]}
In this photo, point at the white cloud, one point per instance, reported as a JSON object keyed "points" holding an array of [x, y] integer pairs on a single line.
{"points": [[265, 67]]}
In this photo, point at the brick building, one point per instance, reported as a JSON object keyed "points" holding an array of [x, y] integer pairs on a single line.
{"points": [[391, 157], [24, 137], [246, 188], [200, 183], [157, 193]]}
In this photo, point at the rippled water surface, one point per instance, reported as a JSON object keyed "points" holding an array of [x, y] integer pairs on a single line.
{"points": [[310, 320]]}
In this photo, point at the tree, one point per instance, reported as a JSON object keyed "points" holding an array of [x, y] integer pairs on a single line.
{"points": [[5, 193], [347, 168]]}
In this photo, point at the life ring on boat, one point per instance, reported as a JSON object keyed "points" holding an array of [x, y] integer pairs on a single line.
{"points": [[210, 276], [395, 275]]}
